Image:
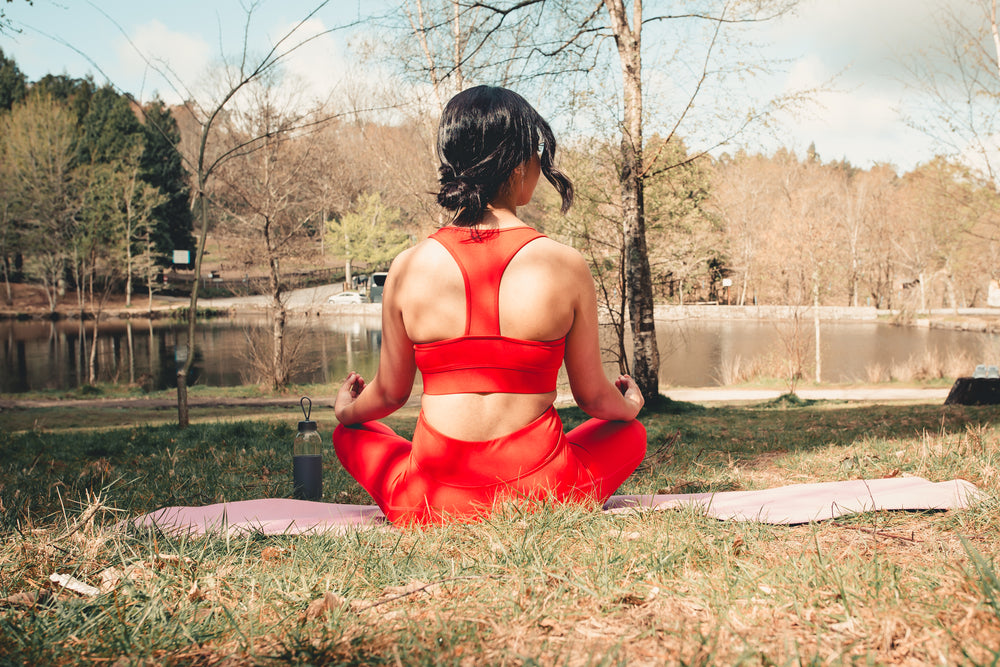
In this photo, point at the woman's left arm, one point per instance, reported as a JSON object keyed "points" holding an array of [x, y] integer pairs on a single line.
{"points": [[389, 390]]}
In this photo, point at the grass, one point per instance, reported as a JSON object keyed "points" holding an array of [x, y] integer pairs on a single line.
{"points": [[555, 585], [120, 406]]}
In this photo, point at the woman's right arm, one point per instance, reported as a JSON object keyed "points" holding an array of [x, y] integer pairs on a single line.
{"points": [[594, 393], [390, 388]]}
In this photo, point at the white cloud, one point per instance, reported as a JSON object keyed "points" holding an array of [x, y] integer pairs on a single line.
{"points": [[857, 50], [808, 73], [863, 125], [872, 37], [184, 59], [320, 65]]}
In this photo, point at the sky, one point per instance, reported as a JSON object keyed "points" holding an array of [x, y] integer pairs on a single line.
{"points": [[862, 45]]}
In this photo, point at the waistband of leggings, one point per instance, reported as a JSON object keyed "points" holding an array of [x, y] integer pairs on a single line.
{"points": [[466, 463]]}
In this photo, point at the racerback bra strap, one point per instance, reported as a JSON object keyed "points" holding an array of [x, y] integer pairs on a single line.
{"points": [[483, 257]]}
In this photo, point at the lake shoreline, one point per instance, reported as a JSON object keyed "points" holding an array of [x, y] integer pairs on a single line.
{"points": [[714, 394], [29, 305]]}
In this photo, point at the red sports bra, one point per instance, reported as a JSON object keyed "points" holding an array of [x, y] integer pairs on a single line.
{"points": [[482, 360]]}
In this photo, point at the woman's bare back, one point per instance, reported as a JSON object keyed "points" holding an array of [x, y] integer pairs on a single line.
{"points": [[537, 302]]}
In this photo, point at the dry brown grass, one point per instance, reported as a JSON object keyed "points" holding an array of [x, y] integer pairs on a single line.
{"points": [[556, 585]]}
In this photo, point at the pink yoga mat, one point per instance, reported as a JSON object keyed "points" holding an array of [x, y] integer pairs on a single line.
{"points": [[794, 504], [802, 503]]}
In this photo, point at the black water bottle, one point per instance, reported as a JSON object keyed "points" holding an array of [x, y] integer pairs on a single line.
{"points": [[307, 458]]}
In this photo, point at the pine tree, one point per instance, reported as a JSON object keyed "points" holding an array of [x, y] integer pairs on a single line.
{"points": [[162, 168], [13, 83]]}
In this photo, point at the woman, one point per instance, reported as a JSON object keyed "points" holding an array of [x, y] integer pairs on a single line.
{"points": [[488, 309]]}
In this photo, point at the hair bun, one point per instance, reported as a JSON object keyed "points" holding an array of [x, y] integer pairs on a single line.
{"points": [[458, 193]]}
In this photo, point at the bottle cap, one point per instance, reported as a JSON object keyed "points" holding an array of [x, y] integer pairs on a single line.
{"points": [[308, 424]]}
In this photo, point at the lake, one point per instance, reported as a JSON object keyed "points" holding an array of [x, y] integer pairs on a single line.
{"points": [[38, 355]]}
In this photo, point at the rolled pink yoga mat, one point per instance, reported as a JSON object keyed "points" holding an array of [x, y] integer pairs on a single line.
{"points": [[794, 504]]}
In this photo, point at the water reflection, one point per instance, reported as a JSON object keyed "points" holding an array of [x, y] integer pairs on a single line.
{"points": [[56, 355], [697, 353]]}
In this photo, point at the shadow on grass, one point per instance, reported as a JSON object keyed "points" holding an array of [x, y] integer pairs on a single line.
{"points": [[789, 400]]}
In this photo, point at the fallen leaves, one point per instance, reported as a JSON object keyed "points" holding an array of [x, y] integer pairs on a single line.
{"points": [[25, 598], [273, 554], [323, 605], [394, 592], [331, 601]]}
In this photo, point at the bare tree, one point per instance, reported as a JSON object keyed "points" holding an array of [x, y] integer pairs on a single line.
{"points": [[206, 159], [873, 193], [117, 211], [443, 46], [270, 196], [568, 38], [593, 226], [135, 201], [958, 77], [945, 206], [742, 197], [6, 24], [807, 242]]}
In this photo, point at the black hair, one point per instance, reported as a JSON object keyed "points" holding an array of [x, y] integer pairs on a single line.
{"points": [[485, 133]]}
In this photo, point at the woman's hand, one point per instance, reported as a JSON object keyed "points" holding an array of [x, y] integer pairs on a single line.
{"points": [[630, 390], [348, 394]]}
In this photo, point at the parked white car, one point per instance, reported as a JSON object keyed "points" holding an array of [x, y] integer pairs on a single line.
{"points": [[346, 297]]}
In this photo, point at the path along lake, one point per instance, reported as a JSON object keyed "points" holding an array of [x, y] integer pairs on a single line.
{"points": [[36, 355]]}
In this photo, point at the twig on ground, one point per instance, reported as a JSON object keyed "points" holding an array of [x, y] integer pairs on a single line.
{"points": [[877, 533], [424, 587], [660, 455]]}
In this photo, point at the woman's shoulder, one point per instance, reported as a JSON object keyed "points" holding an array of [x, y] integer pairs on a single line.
{"points": [[422, 257], [565, 256]]}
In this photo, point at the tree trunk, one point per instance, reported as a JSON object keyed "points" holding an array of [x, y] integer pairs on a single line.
{"points": [[128, 249], [131, 351], [645, 353], [149, 348], [6, 281], [81, 353], [623, 363], [923, 294], [816, 338], [182, 398], [856, 276], [279, 376], [743, 288], [182, 373], [92, 362], [949, 286], [128, 280], [91, 365]]}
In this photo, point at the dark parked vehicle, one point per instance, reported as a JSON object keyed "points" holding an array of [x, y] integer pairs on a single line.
{"points": [[375, 286]]}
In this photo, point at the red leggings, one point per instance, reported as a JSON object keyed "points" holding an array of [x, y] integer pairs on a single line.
{"points": [[437, 478]]}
